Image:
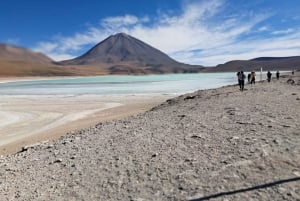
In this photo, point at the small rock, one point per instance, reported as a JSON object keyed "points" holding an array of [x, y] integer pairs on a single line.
{"points": [[59, 160], [297, 173], [182, 115], [264, 153], [154, 155], [196, 137], [235, 138], [50, 146], [290, 81], [189, 97], [66, 142]]}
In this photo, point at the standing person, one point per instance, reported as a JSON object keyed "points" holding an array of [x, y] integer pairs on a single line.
{"points": [[241, 79], [269, 75], [252, 77], [249, 78], [277, 75]]}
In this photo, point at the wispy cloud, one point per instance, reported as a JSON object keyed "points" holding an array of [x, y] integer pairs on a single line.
{"points": [[121, 21], [280, 32], [202, 33], [287, 45], [263, 28], [13, 41]]}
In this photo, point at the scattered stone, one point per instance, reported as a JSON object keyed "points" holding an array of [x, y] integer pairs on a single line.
{"points": [[297, 173], [26, 148], [245, 123], [182, 115], [59, 160], [50, 146], [154, 155], [196, 137], [77, 138], [189, 97], [291, 81]]}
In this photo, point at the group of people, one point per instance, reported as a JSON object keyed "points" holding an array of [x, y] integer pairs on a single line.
{"points": [[269, 76], [242, 77], [251, 78]]}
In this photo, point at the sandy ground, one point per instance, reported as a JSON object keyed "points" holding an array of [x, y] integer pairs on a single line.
{"points": [[16, 79], [26, 119], [220, 144]]}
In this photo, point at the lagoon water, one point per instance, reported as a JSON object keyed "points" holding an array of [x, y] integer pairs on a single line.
{"points": [[120, 85]]}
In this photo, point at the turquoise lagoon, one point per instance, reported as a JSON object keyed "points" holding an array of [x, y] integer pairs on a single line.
{"points": [[120, 85]]}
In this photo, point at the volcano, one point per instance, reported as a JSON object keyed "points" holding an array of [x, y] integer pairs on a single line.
{"points": [[124, 54]]}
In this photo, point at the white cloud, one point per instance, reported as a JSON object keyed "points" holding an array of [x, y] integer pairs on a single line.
{"points": [[61, 57], [13, 41], [120, 21], [201, 34], [263, 28], [248, 49], [46, 46], [286, 31]]}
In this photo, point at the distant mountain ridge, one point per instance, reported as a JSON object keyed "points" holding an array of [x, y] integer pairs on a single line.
{"points": [[123, 54], [20, 62], [274, 58], [10, 52], [266, 63]]}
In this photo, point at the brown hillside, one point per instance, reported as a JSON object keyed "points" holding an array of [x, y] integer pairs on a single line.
{"points": [[9, 52]]}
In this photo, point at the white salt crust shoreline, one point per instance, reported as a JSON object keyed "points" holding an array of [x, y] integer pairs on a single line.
{"points": [[27, 119]]}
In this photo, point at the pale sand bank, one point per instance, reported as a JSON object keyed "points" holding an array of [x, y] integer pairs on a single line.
{"points": [[26, 119], [19, 79]]}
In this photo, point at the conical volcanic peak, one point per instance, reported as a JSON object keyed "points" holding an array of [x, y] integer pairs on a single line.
{"points": [[122, 48], [124, 54]]}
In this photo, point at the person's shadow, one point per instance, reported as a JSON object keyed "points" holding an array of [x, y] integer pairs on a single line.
{"points": [[267, 185]]}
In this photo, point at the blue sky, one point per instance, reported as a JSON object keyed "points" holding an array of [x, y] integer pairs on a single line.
{"points": [[206, 32]]}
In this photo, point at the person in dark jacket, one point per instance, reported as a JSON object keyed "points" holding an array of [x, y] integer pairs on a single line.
{"points": [[269, 75], [277, 75], [241, 79], [249, 78], [253, 74]]}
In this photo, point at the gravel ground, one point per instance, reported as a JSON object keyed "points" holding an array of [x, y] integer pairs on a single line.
{"points": [[219, 144]]}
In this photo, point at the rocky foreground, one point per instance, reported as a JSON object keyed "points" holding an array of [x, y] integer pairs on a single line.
{"points": [[219, 144]]}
